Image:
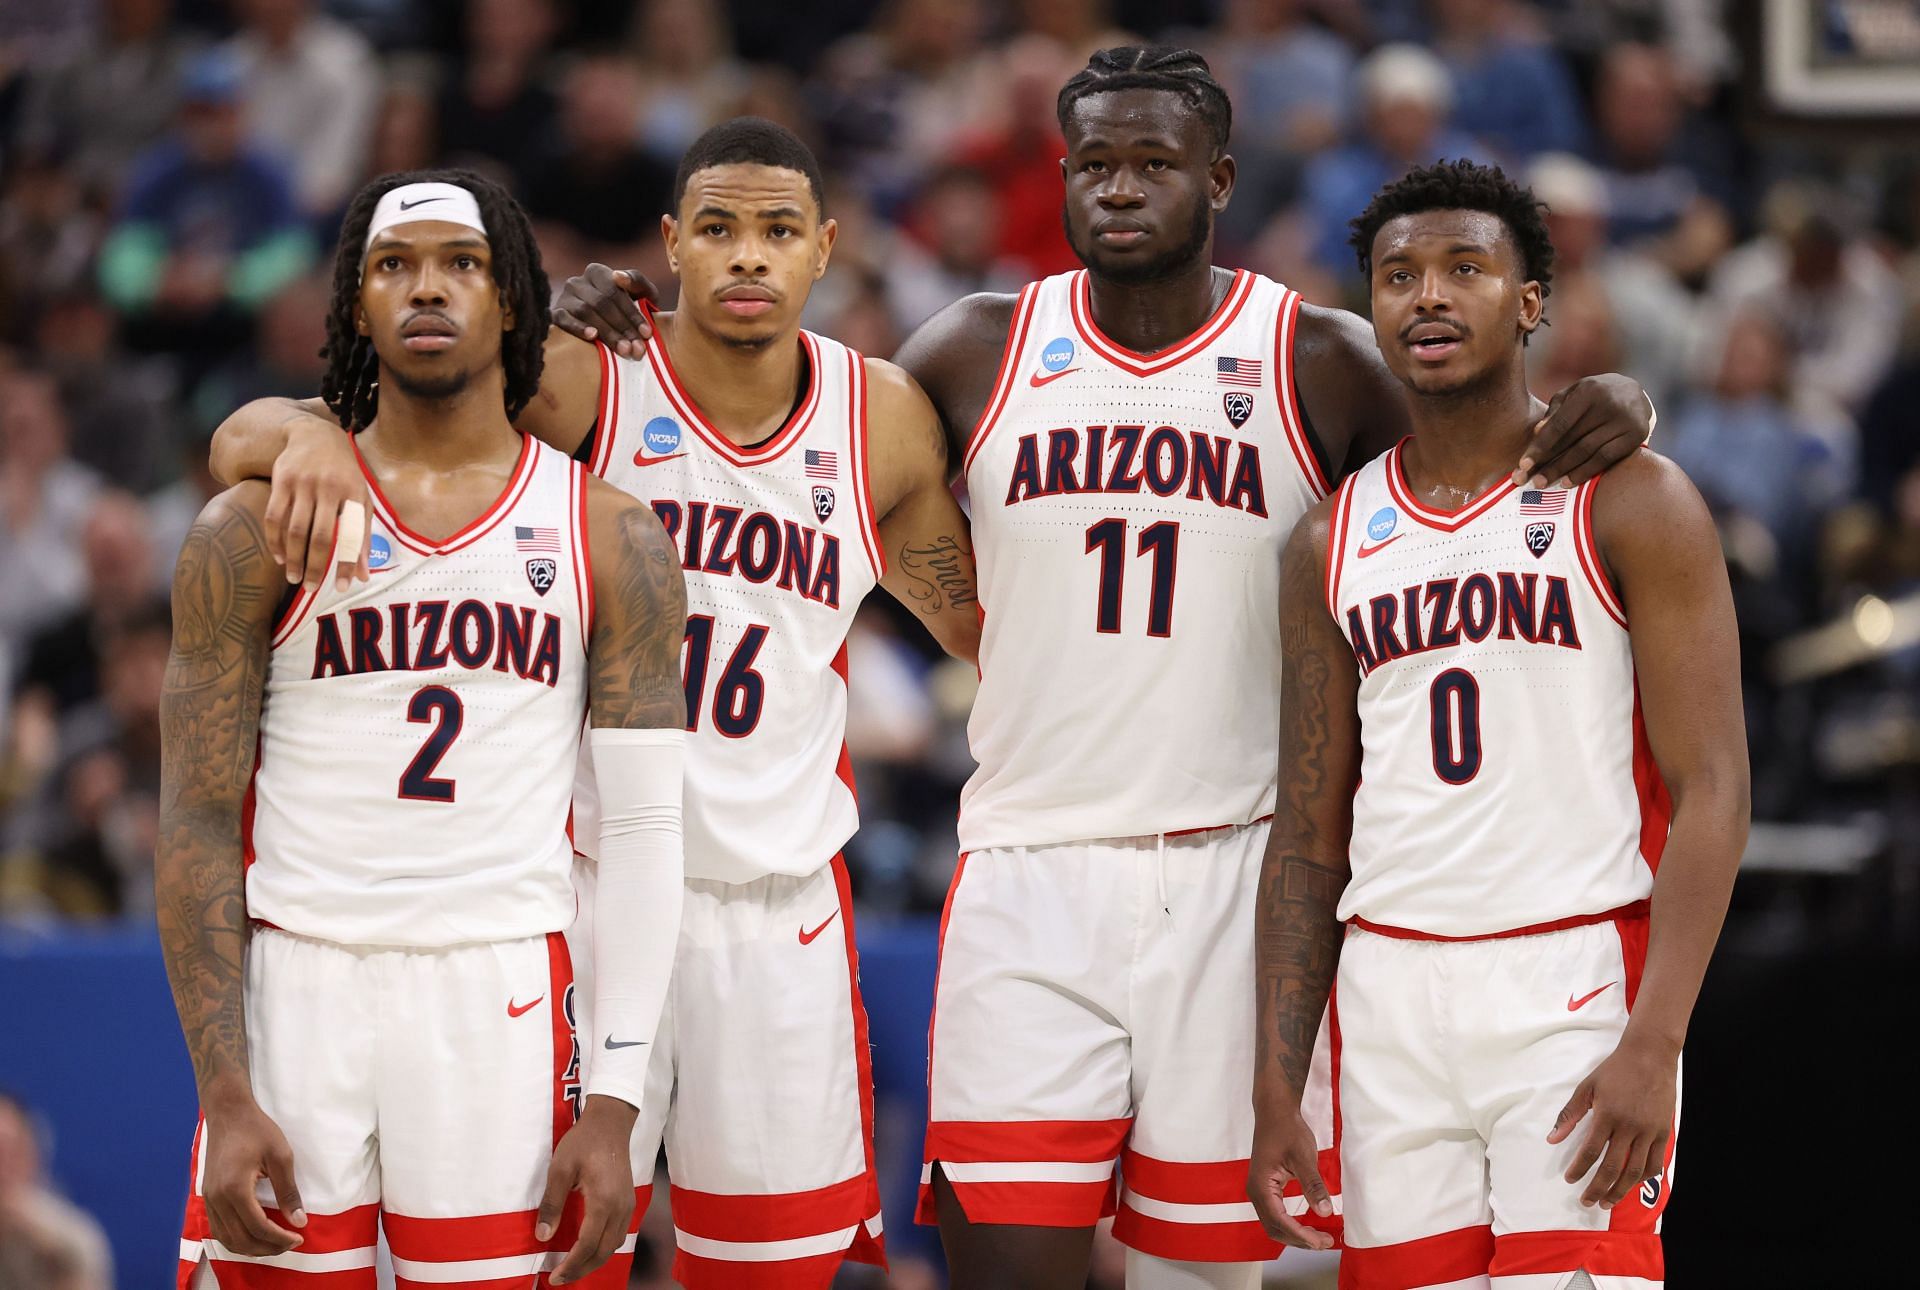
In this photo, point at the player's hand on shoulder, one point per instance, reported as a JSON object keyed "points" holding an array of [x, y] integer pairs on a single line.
{"points": [[599, 304], [317, 475], [1628, 1103], [244, 1145], [1284, 1151], [593, 1160], [1591, 426]]}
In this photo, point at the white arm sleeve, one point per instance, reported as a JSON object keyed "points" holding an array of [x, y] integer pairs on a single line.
{"points": [[636, 905]]}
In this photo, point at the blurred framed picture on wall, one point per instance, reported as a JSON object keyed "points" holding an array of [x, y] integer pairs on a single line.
{"points": [[1851, 58]]}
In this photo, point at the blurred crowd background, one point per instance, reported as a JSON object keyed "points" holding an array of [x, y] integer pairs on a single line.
{"points": [[172, 173]]}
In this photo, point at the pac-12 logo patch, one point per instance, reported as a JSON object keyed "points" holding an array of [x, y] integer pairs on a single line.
{"points": [[541, 574], [1650, 1191], [661, 435], [1539, 537], [1239, 405], [379, 552], [822, 501], [1384, 522]]}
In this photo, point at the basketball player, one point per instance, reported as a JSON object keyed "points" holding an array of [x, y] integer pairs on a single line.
{"points": [[792, 474], [363, 869], [1521, 951], [1138, 439]]}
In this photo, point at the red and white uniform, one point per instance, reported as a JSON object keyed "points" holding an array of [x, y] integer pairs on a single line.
{"points": [[408, 988], [1095, 998], [1506, 830], [759, 1080]]}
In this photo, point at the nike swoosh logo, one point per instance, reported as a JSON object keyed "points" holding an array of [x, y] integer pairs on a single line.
{"points": [[806, 937], [1038, 380], [641, 459], [1574, 1005], [520, 1010], [407, 205], [1366, 550], [631, 1043]]}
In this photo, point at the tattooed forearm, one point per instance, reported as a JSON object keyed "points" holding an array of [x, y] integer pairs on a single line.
{"points": [[942, 573], [1298, 949], [209, 724], [641, 620]]}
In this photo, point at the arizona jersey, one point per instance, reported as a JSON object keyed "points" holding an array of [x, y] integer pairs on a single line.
{"points": [[1128, 515], [1506, 780], [779, 548], [420, 730]]}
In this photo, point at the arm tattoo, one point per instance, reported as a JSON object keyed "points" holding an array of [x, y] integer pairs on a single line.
{"points": [[939, 570], [209, 725], [634, 657], [1299, 950]]}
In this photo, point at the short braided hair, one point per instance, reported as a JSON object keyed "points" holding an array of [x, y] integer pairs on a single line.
{"points": [[1463, 186], [351, 386], [1154, 67]]}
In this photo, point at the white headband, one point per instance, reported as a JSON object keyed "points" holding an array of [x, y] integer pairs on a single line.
{"points": [[413, 203]]}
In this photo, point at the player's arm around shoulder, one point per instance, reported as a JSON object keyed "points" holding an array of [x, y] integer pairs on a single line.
{"points": [[1297, 930], [927, 543], [955, 357], [563, 411], [226, 590], [296, 445]]}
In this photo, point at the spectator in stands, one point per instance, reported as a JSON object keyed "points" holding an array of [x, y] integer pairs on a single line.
{"points": [[1511, 90], [84, 845], [1654, 317], [209, 230], [599, 197], [406, 132], [495, 111], [48, 236], [690, 76], [1018, 147], [950, 250], [120, 406], [1889, 448], [109, 97], [284, 359], [1838, 297], [1582, 338], [1406, 96], [312, 89], [44, 501], [1668, 189], [45, 1242], [63, 659]]}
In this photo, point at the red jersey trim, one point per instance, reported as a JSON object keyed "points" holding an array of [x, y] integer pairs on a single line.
{"points": [[1003, 379], [582, 553], [1133, 361], [862, 484], [1337, 544], [509, 497], [781, 440], [1638, 909], [1589, 552], [303, 602], [1432, 516], [607, 415], [1289, 398]]}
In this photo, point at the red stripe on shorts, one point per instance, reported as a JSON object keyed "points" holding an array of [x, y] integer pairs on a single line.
{"points": [[1431, 1260]]}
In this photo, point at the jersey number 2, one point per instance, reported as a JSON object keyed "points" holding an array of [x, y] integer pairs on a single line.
{"points": [[443, 708], [1162, 541]]}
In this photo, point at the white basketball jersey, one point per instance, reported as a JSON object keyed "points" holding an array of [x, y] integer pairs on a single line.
{"points": [[779, 547], [1506, 780], [1128, 515], [420, 730]]}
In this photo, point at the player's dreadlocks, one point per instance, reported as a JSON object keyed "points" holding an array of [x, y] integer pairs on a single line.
{"points": [[351, 385], [1155, 67], [1462, 186]]}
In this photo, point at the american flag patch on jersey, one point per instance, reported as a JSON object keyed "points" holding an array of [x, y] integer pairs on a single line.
{"points": [[1543, 502], [822, 465], [526, 539], [1238, 371]]}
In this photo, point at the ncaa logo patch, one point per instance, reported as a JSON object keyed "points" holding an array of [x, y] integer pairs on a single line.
{"points": [[1384, 522], [541, 573], [822, 501], [1057, 354], [1539, 537], [1239, 405], [379, 552], [662, 434]]}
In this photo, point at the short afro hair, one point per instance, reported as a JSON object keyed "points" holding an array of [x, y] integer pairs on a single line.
{"points": [[1155, 67], [753, 141], [1462, 186]]}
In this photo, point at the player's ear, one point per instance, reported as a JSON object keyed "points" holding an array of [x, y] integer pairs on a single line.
{"points": [[507, 316], [1220, 179], [670, 234], [1533, 306], [829, 233]]}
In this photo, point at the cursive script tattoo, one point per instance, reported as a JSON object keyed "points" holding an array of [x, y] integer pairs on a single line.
{"points": [[640, 620], [941, 571], [224, 596]]}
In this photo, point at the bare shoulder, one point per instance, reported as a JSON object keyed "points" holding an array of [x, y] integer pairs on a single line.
{"points": [[955, 354], [231, 524], [1334, 334], [618, 522], [903, 429], [1646, 497], [1306, 550]]}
